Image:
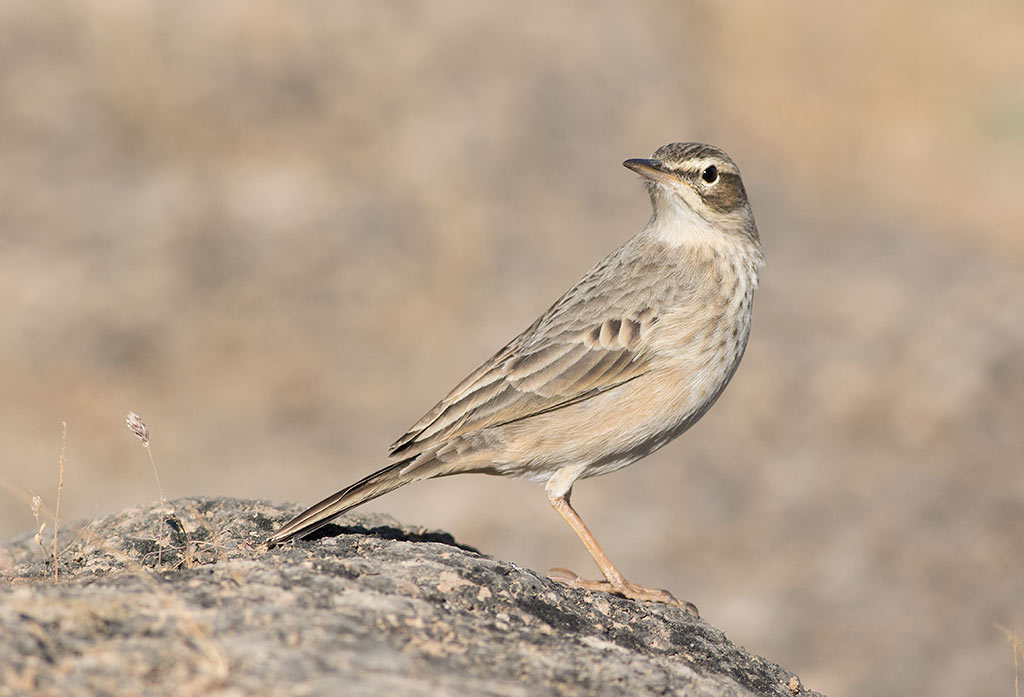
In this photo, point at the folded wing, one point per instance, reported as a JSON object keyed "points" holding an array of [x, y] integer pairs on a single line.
{"points": [[530, 377]]}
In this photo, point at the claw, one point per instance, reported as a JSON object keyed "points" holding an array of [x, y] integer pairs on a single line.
{"points": [[564, 576], [626, 590]]}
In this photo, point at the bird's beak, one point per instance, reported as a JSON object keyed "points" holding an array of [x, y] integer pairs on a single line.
{"points": [[653, 170]]}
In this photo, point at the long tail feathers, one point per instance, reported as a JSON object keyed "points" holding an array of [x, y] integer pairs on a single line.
{"points": [[377, 484]]}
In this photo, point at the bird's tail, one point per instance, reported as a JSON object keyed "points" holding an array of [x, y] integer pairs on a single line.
{"points": [[377, 484]]}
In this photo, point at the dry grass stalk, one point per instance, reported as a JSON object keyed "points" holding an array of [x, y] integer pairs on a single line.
{"points": [[137, 426], [37, 505], [1017, 644], [60, 490]]}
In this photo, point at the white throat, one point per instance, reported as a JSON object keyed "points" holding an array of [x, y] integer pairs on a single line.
{"points": [[677, 225]]}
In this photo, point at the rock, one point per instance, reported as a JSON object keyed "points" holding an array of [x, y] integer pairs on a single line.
{"points": [[185, 599]]}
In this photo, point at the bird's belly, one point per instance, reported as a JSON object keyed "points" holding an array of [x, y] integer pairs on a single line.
{"points": [[613, 429]]}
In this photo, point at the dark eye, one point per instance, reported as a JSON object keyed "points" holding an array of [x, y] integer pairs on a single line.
{"points": [[710, 174]]}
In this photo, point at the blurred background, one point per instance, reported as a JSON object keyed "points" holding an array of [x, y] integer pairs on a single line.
{"points": [[280, 232]]}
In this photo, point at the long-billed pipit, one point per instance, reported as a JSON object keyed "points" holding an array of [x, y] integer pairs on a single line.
{"points": [[629, 358]]}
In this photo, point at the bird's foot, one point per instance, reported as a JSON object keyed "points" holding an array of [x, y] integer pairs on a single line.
{"points": [[625, 589]]}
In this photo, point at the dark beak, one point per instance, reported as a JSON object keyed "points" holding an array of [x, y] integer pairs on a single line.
{"points": [[653, 170]]}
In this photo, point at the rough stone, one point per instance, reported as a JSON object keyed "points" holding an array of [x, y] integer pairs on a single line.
{"points": [[184, 598]]}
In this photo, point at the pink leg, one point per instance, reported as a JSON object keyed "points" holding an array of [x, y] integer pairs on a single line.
{"points": [[614, 582]]}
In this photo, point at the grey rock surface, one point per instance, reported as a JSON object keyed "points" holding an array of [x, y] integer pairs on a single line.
{"points": [[184, 599]]}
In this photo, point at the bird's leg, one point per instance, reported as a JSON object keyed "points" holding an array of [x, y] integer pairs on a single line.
{"points": [[614, 582]]}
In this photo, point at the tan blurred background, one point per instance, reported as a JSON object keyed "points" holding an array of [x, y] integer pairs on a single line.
{"points": [[280, 232]]}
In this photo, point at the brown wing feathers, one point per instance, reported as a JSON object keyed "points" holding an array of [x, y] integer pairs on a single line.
{"points": [[565, 369]]}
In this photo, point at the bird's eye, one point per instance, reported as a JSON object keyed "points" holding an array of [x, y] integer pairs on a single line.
{"points": [[710, 174]]}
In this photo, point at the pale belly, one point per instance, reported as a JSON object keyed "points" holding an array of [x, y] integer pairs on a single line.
{"points": [[616, 428]]}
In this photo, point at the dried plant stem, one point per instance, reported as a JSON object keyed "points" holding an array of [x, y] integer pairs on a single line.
{"points": [[37, 505], [160, 489], [60, 490], [137, 426], [1017, 644]]}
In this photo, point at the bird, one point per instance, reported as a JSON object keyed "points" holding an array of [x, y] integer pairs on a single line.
{"points": [[625, 361]]}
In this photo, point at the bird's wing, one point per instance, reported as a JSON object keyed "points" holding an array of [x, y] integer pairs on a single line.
{"points": [[567, 356], [594, 338]]}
